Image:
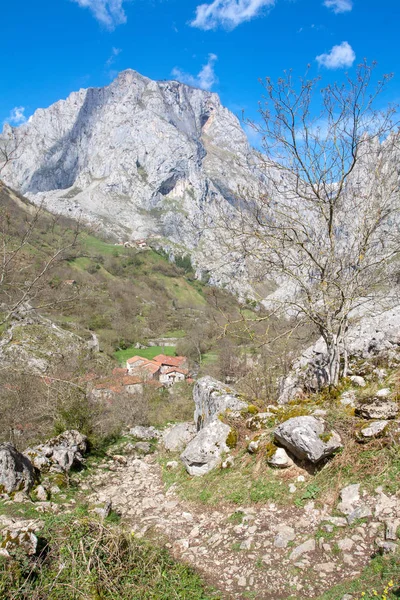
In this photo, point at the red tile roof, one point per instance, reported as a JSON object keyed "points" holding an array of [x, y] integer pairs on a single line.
{"points": [[170, 361]]}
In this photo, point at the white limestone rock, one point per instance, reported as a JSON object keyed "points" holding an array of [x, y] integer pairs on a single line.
{"points": [[303, 437], [204, 452], [213, 398]]}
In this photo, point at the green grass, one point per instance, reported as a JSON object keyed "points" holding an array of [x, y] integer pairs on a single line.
{"points": [[94, 244], [237, 485], [175, 333], [123, 355], [375, 576]]}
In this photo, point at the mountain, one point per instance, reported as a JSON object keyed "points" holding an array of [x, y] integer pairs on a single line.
{"points": [[140, 158]]}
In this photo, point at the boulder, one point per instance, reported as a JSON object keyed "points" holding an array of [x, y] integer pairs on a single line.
{"points": [[204, 452], [377, 408], [305, 437], [23, 539], [280, 459], [358, 381], [348, 398], [177, 437], [145, 433], [383, 393], [16, 470], [61, 453], [373, 430], [212, 398]]}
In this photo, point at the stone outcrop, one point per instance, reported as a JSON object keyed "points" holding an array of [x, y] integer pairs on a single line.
{"points": [[140, 158], [377, 408], [372, 333], [305, 437], [16, 471], [212, 398], [62, 453], [145, 433], [205, 451], [177, 437]]}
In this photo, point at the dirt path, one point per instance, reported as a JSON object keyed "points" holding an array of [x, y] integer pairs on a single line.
{"points": [[248, 555]]}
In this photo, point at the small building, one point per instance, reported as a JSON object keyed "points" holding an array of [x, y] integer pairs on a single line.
{"points": [[165, 369], [172, 375]]}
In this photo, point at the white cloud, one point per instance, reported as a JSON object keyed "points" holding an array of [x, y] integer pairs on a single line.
{"points": [[339, 6], [108, 12], [339, 57], [205, 79], [16, 116], [228, 13], [113, 56]]}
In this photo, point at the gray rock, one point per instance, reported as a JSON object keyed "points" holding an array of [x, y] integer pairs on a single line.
{"points": [[349, 498], [391, 528], [143, 447], [374, 429], [385, 547], [22, 538], [41, 493], [302, 437], [358, 381], [177, 437], [204, 452], [145, 433], [61, 453], [304, 548], [348, 398], [172, 465], [16, 470], [285, 535], [212, 398], [280, 459], [378, 408], [383, 393], [359, 513]]}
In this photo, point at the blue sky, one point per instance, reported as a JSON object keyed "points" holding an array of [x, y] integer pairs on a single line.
{"points": [[52, 47]]}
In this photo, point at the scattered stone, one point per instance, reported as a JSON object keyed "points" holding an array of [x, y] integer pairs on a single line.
{"points": [[177, 437], [253, 446], [358, 381], [349, 496], [285, 535], [41, 493], [304, 548], [348, 398], [304, 437], [359, 513], [280, 459], [143, 447], [172, 465], [16, 471], [228, 462], [327, 567], [377, 408], [345, 544], [145, 433], [204, 452], [292, 488], [347, 597], [301, 479], [373, 430], [391, 528], [386, 547], [383, 393]]}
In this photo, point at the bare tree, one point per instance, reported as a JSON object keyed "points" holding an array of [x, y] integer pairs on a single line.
{"points": [[327, 227]]}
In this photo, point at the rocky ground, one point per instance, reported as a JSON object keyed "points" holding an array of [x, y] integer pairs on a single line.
{"points": [[264, 551]]}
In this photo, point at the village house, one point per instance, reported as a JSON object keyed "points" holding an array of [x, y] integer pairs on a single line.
{"points": [[165, 369]]}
